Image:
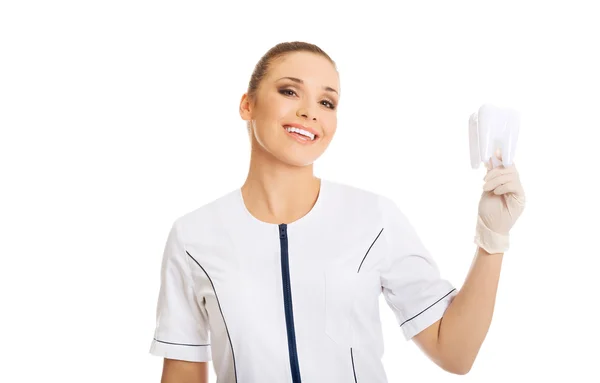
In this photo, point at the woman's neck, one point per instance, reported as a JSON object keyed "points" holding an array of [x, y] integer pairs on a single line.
{"points": [[280, 193]]}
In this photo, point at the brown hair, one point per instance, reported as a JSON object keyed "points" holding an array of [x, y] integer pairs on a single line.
{"points": [[279, 50]]}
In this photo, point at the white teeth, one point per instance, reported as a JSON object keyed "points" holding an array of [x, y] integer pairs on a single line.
{"points": [[300, 131]]}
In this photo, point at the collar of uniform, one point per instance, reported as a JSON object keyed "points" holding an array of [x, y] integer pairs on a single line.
{"points": [[310, 216]]}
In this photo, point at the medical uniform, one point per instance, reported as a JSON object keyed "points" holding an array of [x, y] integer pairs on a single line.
{"points": [[294, 302]]}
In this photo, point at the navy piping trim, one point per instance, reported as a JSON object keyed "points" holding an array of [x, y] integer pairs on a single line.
{"points": [[353, 369], [427, 308], [182, 344], [369, 250], [219, 303]]}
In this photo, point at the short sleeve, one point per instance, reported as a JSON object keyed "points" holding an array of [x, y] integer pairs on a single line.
{"points": [[181, 319], [410, 279]]}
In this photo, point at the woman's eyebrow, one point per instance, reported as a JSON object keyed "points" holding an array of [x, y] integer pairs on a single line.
{"points": [[297, 80]]}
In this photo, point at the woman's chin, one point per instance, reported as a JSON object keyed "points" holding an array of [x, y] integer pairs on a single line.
{"points": [[298, 159]]}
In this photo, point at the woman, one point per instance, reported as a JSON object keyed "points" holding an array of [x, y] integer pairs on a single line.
{"points": [[279, 280]]}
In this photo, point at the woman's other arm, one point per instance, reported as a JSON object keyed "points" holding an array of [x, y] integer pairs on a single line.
{"points": [[180, 371]]}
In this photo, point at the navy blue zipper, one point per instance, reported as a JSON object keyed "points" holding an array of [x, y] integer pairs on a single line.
{"points": [[287, 298]]}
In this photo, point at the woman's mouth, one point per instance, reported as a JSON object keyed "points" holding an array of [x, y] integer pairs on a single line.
{"points": [[301, 135]]}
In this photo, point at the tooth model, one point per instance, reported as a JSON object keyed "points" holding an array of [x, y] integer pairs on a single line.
{"points": [[493, 130]]}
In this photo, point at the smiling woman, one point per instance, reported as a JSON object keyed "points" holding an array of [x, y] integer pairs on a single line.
{"points": [[280, 278], [293, 92]]}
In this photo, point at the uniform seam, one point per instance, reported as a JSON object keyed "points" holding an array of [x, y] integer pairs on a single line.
{"points": [[388, 241], [182, 344], [430, 306], [376, 238], [353, 367], [188, 277], [221, 310], [187, 260]]}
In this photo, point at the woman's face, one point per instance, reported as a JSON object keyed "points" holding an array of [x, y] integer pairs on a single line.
{"points": [[300, 90]]}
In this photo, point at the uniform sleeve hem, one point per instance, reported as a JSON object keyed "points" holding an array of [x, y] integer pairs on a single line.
{"points": [[187, 352], [428, 316]]}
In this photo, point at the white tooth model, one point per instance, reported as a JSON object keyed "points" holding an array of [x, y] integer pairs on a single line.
{"points": [[493, 129]]}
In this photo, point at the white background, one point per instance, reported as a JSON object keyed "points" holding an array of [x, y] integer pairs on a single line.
{"points": [[117, 117]]}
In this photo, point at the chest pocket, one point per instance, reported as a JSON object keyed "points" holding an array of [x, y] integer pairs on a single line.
{"points": [[340, 293], [351, 303], [352, 289]]}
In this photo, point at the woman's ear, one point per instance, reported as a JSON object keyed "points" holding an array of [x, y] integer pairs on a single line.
{"points": [[245, 108]]}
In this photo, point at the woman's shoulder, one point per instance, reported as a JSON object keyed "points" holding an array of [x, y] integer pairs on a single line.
{"points": [[208, 215], [357, 195]]}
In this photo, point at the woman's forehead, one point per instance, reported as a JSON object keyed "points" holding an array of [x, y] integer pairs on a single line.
{"points": [[312, 69]]}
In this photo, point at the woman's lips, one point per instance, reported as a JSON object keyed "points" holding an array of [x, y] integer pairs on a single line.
{"points": [[300, 138]]}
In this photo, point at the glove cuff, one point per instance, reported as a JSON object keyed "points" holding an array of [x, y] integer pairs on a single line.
{"points": [[489, 240]]}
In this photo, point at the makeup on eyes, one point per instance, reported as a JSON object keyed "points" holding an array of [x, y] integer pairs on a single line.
{"points": [[284, 91]]}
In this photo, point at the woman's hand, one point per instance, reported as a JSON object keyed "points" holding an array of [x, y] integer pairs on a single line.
{"points": [[501, 204]]}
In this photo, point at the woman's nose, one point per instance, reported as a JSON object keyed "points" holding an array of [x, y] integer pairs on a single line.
{"points": [[304, 112]]}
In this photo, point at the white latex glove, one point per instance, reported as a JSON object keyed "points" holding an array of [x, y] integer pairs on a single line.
{"points": [[501, 204]]}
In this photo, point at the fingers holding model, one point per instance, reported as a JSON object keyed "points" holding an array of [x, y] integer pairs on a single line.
{"points": [[502, 202]]}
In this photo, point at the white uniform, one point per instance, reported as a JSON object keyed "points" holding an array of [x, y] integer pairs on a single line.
{"points": [[294, 302]]}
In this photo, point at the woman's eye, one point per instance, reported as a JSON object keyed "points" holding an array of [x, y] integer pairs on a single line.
{"points": [[328, 104], [287, 92]]}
